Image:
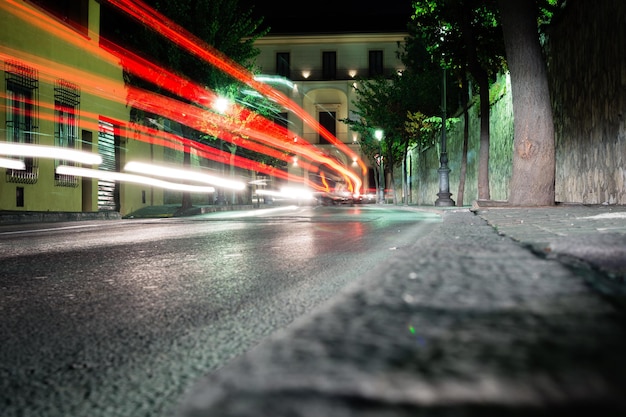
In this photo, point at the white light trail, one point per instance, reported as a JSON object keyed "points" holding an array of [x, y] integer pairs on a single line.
{"points": [[52, 152], [12, 163], [289, 193], [138, 179], [183, 174]]}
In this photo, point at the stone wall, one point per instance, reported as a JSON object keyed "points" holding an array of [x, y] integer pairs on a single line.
{"points": [[587, 68], [586, 56], [424, 176]]}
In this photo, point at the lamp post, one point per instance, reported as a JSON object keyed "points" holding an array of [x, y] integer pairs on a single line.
{"points": [[378, 134], [444, 194]]}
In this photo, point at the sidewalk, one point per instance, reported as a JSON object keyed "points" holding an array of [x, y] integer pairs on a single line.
{"points": [[495, 313], [578, 235]]}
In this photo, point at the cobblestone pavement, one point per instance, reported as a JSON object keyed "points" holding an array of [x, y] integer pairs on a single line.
{"points": [[466, 322]]}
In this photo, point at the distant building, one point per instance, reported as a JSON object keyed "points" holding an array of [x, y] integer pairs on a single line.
{"points": [[322, 70]]}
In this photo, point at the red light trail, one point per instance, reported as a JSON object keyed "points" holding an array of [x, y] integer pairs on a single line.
{"points": [[255, 134], [186, 40]]}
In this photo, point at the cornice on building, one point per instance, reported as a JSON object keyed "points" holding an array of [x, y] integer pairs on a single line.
{"points": [[302, 39]]}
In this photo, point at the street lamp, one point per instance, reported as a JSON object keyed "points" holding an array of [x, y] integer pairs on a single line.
{"points": [[444, 194], [378, 134]]}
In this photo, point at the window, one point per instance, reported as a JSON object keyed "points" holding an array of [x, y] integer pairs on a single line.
{"points": [[108, 141], [22, 86], [327, 120], [329, 65], [66, 106], [19, 196], [376, 63], [282, 65], [74, 13]]}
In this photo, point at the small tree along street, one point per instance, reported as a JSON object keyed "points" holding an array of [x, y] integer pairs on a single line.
{"points": [[464, 35], [405, 106]]}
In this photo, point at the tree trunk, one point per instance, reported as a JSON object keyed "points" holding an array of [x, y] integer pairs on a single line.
{"points": [[532, 179], [482, 79], [463, 170], [483, 153]]}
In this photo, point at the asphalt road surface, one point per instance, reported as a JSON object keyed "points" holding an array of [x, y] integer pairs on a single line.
{"points": [[119, 318]]}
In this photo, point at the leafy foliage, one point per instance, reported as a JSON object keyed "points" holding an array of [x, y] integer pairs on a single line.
{"points": [[461, 32], [427, 129], [220, 23]]}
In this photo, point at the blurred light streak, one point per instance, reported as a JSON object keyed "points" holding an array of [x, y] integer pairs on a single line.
{"points": [[138, 179], [190, 91], [297, 193], [289, 193], [41, 151], [182, 174], [323, 177], [107, 88], [186, 40], [249, 213], [12, 164], [53, 27], [274, 79], [51, 71], [212, 124]]}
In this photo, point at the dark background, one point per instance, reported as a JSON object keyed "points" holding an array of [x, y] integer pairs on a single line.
{"points": [[325, 16]]}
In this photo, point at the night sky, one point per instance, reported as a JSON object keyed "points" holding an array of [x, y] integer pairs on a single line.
{"points": [[324, 16]]}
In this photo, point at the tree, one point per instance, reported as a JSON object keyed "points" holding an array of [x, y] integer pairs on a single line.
{"points": [[379, 105], [220, 23], [533, 176], [405, 106], [465, 36]]}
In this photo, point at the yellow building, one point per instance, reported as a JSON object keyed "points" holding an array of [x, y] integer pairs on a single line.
{"points": [[62, 91]]}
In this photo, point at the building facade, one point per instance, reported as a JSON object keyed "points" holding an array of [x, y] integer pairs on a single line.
{"points": [[319, 73], [61, 91]]}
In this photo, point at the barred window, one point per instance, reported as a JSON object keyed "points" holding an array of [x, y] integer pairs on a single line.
{"points": [[22, 119], [66, 112]]}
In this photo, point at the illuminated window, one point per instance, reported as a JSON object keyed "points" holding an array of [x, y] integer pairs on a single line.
{"points": [[329, 65], [282, 65], [22, 87], [376, 63], [66, 107]]}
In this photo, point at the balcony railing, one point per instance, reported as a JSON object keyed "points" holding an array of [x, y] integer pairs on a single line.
{"points": [[23, 176]]}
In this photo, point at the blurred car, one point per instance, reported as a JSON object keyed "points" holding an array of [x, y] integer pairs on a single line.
{"points": [[334, 199]]}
